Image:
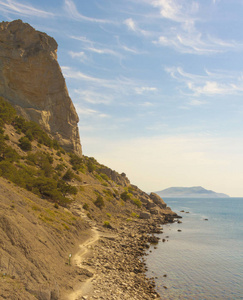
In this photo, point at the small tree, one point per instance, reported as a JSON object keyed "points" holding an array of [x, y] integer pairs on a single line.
{"points": [[99, 202], [125, 196], [25, 144], [68, 175]]}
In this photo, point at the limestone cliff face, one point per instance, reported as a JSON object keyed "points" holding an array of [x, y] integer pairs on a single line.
{"points": [[31, 80]]}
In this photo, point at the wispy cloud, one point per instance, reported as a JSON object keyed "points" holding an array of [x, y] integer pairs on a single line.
{"points": [[209, 84], [132, 25], [16, 8], [182, 34], [89, 112], [118, 86], [81, 38], [95, 47], [178, 11], [71, 9], [131, 50], [194, 42], [70, 73], [103, 51], [79, 55], [93, 97]]}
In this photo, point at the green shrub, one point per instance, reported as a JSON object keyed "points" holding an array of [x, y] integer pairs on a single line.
{"points": [[104, 176], [91, 167], [99, 202], [108, 193], [10, 154], [137, 202], [33, 131], [66, 188], [97, 176], [134, 215], [75, 161], [86, 206], [59, 153], [69, 175], [125, 196], [56, 205], [8, 169], [25, 144], [7, 112], [41, 160], [60, 167], [107, 224]]}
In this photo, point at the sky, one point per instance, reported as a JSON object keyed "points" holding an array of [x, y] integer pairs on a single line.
{"points": [[157, 85]]}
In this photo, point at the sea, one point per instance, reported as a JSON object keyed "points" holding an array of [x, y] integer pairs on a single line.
{"points": [[201, 258]]}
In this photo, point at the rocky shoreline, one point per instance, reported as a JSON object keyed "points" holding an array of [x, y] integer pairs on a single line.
{"points": [[118, 261]]}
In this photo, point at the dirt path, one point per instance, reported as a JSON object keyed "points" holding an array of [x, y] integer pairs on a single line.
{"points": [[84, 289]]}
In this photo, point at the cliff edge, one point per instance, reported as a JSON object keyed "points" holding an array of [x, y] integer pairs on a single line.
{"points": [[31, 80]]}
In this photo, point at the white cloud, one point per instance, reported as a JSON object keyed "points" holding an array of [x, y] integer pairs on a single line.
{"points": [[130, 24], [144, 89], [81, 38], [14, 7], [209, 84], [71, 9], [103, 51], [178, 11], [80, 55]]}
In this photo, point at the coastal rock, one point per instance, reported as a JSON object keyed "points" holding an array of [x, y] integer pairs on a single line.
{"points": [[157, 200], [120, 179], [32, 81], [144, 215]]}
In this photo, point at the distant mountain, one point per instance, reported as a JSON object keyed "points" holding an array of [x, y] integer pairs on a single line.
{"points": [[190, 192]]}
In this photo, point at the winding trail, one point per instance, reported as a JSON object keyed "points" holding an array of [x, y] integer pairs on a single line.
{"points": [[84, 288]]}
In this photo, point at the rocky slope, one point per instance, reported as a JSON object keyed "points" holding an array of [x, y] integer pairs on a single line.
{"points": [[31, 79]]}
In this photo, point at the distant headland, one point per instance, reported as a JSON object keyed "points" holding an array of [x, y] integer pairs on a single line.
{"points": [[190, 192]]}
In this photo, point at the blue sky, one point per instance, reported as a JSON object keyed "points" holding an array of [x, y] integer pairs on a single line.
{"points": [[157, 84]]}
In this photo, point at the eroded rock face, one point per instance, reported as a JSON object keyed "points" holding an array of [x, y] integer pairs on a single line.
{"points": [[31, 80]]}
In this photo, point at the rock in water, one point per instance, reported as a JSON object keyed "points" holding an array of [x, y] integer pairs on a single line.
{"points": [[31, 80]]}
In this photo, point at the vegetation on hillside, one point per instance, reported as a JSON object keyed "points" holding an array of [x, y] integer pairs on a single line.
{"points": [[31, 159], [34, 171]]}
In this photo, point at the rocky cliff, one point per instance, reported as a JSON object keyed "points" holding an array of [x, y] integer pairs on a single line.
{"points": [[31, 80]]}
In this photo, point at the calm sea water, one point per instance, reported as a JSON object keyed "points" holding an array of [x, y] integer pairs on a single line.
{"points": [[205, 259]]}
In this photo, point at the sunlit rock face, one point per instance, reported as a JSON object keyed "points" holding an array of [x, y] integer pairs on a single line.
{"points": [[31, 80]]}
